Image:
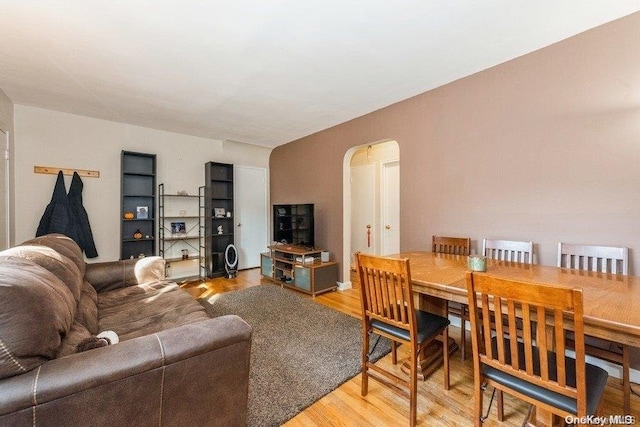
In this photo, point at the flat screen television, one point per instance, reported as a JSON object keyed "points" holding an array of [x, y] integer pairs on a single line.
{"points": [[293, 224]]}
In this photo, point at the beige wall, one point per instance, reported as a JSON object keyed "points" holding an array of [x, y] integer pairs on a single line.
{"points": [[50, 138], [545, 147]]}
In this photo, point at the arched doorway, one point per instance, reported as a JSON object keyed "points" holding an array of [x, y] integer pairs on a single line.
{"points": [[371, 208]]}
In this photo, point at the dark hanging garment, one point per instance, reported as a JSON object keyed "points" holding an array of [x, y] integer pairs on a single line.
{"points": [[57, 218], [80, 219]]}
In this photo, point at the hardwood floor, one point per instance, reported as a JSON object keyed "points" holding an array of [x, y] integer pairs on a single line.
{"points": [[381, 407]]}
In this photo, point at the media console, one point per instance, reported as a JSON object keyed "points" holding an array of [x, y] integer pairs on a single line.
{"points": [[299, 268]]}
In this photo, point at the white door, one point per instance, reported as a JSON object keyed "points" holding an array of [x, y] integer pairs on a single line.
{"points": [[251, 215], [390, 207], [4, 190], [363, 209]]}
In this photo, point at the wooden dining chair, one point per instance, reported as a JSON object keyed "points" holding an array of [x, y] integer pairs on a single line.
{"points": [[609, 260], [451, 245], [388, 310], [455, 246], [533, 368], [508, 250]]}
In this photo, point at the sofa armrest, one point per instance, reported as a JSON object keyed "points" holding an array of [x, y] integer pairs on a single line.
{"points": [[110, 275], [107, 276], [196, 374]]}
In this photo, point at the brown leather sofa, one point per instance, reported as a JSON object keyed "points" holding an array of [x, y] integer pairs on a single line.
{"points": [[173, 366]]}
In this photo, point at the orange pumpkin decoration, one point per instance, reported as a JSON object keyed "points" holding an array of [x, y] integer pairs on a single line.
{"points": [[137, 234], [128, 215]]}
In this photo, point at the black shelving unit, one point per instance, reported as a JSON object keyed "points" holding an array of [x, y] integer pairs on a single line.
{"points": [[137, 209], [218, 206], [202, 268]]}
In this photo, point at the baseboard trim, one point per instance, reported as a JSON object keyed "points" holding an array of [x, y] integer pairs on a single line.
{"points": [[343, 286]]}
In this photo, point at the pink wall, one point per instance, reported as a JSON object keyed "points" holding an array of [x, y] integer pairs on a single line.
{"points": [[545, 147]]}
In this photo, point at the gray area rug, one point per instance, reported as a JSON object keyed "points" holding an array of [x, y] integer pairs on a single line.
{"points": [[300, 350]]}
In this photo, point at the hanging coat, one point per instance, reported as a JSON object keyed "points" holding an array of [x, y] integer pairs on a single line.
{"points": [[57, 216], [80, 219]]}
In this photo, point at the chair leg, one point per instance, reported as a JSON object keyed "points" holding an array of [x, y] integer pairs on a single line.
{"points": [[413, 388], [500, 405], [477, 399], [365, 360], [463, 332], [626, 381], [445, 356], [394, 353]]}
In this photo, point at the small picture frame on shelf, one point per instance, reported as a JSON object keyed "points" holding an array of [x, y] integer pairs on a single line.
{"points": [[178, 228], [142, 212], [219, 212]]}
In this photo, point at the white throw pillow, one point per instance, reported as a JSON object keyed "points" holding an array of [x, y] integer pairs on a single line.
{"points": [[149, 269]]}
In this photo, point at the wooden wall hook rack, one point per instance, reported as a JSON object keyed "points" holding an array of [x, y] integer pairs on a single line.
{"points": [[53, 170]]}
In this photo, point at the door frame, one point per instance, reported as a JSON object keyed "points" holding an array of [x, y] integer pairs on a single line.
{"points": [[266, 204], [346, 211], [4, 133]]}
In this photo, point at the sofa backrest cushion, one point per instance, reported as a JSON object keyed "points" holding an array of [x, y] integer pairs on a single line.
{"points": [[58, 264], [62, 244], [36, 311]]}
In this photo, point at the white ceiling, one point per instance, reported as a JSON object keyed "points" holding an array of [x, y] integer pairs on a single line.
{"points": [[264, 72]]}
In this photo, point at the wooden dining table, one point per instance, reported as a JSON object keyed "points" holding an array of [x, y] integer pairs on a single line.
{"points": [[611, 301]]}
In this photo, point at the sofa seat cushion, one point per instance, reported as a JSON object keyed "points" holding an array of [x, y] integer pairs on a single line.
{"points": [[146, 309]]}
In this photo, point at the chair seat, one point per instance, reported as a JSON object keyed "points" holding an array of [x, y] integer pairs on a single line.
{"points": [[599, 343], [428, 325], [596, 379]]}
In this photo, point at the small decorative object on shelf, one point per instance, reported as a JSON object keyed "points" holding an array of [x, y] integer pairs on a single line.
{"points": [[185, 254], [220, 230], [142, 212], [218, 212], [137, 234], [178, 228], [129, 215], [182, 193]]}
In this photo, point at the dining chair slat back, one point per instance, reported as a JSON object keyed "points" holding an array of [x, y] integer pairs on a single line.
{"points": [[451, 245], [603, 259], [508, 250]]}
